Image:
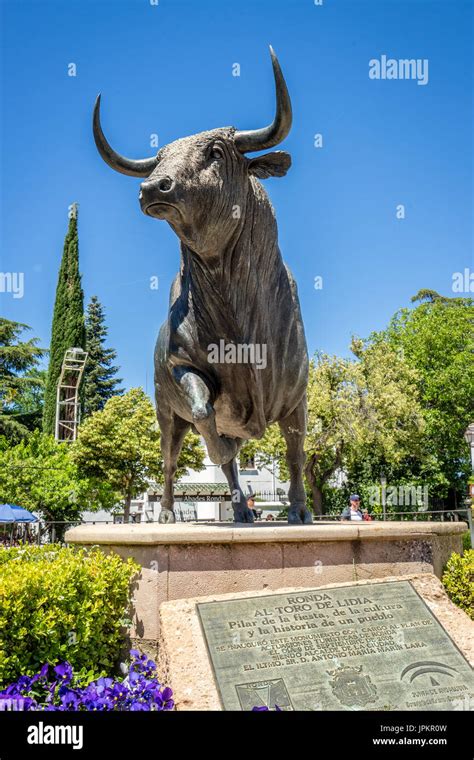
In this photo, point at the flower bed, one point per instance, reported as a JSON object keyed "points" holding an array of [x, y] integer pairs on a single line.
{"points": [[58, 689]]}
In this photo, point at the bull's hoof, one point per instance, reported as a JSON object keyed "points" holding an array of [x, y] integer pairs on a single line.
{"points": [[299, 515], [166, 516], [243, 515]]}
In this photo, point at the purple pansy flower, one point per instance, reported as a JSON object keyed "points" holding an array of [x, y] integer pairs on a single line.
{"points": [[63, 672], [139, 690]]}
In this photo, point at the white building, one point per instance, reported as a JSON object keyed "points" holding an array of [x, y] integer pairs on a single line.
{"points": [[194, 492]]}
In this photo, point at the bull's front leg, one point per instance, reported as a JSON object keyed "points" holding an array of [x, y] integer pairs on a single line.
{"points": [[221, 449]]}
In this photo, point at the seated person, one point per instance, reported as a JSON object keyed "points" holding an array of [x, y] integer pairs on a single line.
{"points": [[352, 512]]}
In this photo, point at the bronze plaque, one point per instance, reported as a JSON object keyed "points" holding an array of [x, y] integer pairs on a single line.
{"points": [[371, 647]]}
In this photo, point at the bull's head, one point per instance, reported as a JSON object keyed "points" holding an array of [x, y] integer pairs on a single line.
{"points": [[197, 183]]}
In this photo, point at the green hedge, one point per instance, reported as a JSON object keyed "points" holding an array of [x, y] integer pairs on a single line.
{"points": [[59, 603], [466, 541], [458, 580]]}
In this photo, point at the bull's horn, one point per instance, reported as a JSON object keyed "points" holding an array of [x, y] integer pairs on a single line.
{"points": [[268, 137], [140, 168]]}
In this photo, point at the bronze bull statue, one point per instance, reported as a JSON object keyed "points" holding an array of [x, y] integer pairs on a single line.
{"points": [[231, 357]]}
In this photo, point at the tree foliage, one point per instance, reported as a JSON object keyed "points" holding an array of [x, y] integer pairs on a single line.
{"points": [[68, 330], [121, 445], [28, 405], [100, 381], [436, 340], [397, 411], [40, 475], [362, 410], [20, 380]]}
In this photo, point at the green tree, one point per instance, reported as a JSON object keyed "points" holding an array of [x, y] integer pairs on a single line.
{"points": [[39, 474], [20, 380], [392, 435], [335, 418], [398, 410], [336, 407], [363, 415], [100, 381], [28, 406], [121, 445], [266, 451], [436, 339], [68, 330]]}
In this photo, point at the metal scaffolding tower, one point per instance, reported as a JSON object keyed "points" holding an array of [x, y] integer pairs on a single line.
{"points": [[68, 408]]}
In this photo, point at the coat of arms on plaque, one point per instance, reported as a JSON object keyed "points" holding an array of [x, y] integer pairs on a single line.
{"points": [[264, 694], [351, 687]]}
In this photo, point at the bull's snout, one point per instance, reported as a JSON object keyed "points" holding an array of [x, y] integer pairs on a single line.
{"points": [[154, 192]]}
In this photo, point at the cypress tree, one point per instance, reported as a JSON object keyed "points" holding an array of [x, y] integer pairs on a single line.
{"points": [[100, 381], [68, 329]]}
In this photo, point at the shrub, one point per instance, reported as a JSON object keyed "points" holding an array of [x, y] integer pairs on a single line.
{"points": [[59, 689], [458, 580], [59, 603], [466, 541]]}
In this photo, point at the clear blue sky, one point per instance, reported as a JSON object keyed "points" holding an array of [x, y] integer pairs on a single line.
{"points": [[168, 69]]}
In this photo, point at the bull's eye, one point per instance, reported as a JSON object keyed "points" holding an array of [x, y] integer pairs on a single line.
{"points": [[216, 153]]}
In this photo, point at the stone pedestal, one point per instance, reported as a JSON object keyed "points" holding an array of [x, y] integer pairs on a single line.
{"points": [[190, 560]]}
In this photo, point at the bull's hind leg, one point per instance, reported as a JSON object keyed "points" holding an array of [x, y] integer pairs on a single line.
{"points": [[221, 449], [293, 428], [173, 431], [242, 513]]}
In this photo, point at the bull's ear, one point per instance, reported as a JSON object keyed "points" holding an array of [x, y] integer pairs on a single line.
{"points": [[270, 165]]}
